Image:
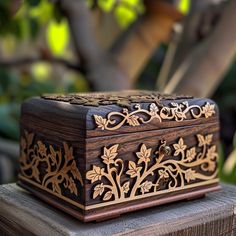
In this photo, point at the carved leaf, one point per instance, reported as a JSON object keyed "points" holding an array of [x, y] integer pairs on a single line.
{"points": [[144, 154], [201, 140], [125, 187], [146, 186], [110, 154], [107, 196], [72, 187], [68, 152], [75, 172], [101, 122], [133, 169], [95, 174], [56, 188], [211, 166], [190, 175], [163, 174], [191, 153], [53, 155], [208, 110], [208, 139], [98, 190], [42, 148], [179, 147], [23, 143], [35, 173], [180, 114], [211, 153], [133, 120], [153, 109]]}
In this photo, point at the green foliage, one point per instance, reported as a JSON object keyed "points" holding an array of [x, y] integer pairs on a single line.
{"points": [[184, 6], [125, 11], [57, 36]]}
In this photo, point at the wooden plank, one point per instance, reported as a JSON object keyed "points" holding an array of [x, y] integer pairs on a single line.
{"points": [[23, 214]]}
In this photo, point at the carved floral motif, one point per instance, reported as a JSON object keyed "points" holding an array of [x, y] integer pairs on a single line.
{"points": [[185, 165], [60, 169], [177, 112]]}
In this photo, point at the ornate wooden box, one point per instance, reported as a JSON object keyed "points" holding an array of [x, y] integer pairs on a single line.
{"points": [[100, 155]]}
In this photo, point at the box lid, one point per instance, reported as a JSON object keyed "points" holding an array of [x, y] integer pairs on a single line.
{"points": [[100, 114]]}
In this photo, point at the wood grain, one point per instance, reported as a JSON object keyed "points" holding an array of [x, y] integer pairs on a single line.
{"points": [[23, 214]]}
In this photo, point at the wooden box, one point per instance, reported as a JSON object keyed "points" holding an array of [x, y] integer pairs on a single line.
{"points": [[99, 155]]}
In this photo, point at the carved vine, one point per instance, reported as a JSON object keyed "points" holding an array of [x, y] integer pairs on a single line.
{"points": [[177, 112], [191, 165], [59, 169]]}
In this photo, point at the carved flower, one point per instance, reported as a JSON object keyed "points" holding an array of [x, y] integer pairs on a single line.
{"points": [[133, 120], [125, 187], [191, 153], [146, 186], [211, 153], [144, 154], [133, 169], [98, 190], [42, 148], [208, 110], [95, 174], [110, 154], [179, 147], [190, 175], [101, 122], [163, 174]]}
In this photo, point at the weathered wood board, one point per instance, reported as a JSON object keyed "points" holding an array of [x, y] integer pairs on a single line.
{"points": [[23, 214]]}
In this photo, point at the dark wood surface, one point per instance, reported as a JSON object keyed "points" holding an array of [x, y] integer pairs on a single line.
{"points": [[214, 215]]}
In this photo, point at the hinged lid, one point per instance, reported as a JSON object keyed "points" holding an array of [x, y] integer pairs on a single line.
{"points": [[100, 114]]}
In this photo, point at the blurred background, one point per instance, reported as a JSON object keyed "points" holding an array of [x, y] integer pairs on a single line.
{"points": [[62, 46]]}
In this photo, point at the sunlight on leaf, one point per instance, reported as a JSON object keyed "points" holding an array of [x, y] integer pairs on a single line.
{"points": [[58, 37], [184, 6], [41, 71], [106, 5], [125, 16]]}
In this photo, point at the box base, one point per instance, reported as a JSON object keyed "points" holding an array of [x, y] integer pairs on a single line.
{"points": [[105, 213]]}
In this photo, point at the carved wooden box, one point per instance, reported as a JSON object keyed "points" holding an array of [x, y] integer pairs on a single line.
{"points": [[96, 156]]}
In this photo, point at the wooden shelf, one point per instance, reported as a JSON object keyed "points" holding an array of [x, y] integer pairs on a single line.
{"points": [[23, 214]]}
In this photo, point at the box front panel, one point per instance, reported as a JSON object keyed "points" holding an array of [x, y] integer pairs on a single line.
{"points": [[135, 168]]}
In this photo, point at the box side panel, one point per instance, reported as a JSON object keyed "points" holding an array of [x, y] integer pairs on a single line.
{"points": [[132, 169], [52, 159]]}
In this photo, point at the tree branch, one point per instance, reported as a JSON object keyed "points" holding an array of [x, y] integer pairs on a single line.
{"points": [[29, 60], [202, 71]]}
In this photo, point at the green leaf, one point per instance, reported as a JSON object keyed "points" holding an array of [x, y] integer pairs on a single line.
{"points": [[58, 37], [125, 16], [106, 5], [184, 6]]}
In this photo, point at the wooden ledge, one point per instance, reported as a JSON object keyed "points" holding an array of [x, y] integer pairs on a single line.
{"points": [[23, 214]]}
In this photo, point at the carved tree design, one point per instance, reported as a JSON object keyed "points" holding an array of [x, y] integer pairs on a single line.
{"points": [[177, 173], [61, 170]]}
